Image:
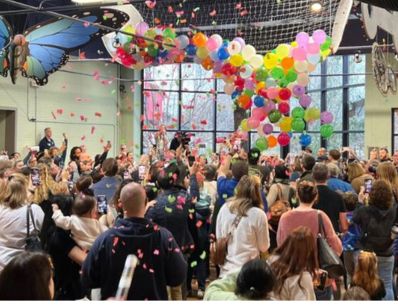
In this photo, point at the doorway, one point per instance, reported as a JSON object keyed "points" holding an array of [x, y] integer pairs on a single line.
{"points": [[7, 130]]}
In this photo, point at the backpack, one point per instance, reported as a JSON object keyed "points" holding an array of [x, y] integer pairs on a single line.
{"points": [[279, 207], [202, 206]]}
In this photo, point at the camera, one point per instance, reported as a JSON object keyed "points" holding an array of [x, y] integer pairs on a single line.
{"points": [[183, 138]]}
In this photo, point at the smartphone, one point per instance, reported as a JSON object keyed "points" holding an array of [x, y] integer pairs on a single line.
{"points": [[126, 175], [368, 186], [344, 155], [141, 172], [102, 204], [35, 177], [127, 277], [191, 160]]}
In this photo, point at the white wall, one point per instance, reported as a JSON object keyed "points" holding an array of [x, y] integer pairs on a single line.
{"points": [[62, 92]]}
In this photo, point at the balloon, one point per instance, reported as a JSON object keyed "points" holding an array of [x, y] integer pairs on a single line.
{"points": [[305, 140], [311, 67], [298, 112], [260, 85], [217, 38], [283, 139], [285, 94], [298, 91], [325, 46], [248, 52], [272, 141], [314, 59], [287, 63], [249, 84], [305, 101], [302, 38], [262, 144], [234, 48], [191, 50], [235, 94], [240, 83], [223, 53], [313, 48], [228, 70], [300, 66], [199, 39], [303, 79], [256, 61], [272, 93], [246, 71], [244, 126], [284, 107], [282, 51], [274, 116], [267, 129], [245, 101], [261, 74], [319, 36], [285, 124], [214, 56], [260, 130], [299, 54], [312, 114], [141, 28], [259, 101], [240, 40], [169, 33], [182, 41], [298, 125], [229, 88], [236, 60], [326, 130], [270, 82], [202, 53], [291, 76], [211, 44], [259, 114], [269, 107], [326, 117], [253, 123], [270, 60], [277, 73]]}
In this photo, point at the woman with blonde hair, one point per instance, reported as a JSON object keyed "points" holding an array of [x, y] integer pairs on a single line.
{"points": [[366, 276], [357, 176], [13, 218], [386, 171], [244, 220]]}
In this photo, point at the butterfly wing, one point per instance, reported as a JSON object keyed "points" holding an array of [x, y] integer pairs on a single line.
{"points": [[50, 43], [5, 39]]}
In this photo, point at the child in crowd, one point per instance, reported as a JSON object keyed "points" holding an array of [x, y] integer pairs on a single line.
{"points": [[83, 224]]}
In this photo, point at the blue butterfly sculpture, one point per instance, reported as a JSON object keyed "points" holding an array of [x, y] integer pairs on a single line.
{"points": [[44, 48]]}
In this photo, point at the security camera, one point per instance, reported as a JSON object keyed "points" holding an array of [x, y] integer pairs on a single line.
{"points": [[357, 58]]}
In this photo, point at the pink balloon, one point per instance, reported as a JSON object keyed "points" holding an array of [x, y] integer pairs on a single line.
{"points": [[273, 93], [253, 123], [302, 38], [326, 117], [305, 101], [268, 107], [249, 84], [283, 139], [240, 40], [298, 90], [211, 44], [141, 28], [259, 114], [267, 129], [313, 48], [319, 36], [299, 54]]}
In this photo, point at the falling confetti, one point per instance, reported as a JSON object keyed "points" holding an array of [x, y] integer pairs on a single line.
{"points": [[213, 13], [156, 252], [83, 138], [168, 210], [194, 263], [53, 114], [150, 4], [115, 241], [92, 130], [171, 198], [199, 224], [203, 255], [98, 114]]}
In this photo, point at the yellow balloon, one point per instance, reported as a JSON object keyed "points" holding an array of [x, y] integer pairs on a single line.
{"points": [[270, 60], [283, 51], [244, 126], [294, 44], [286, 124], [236, 60], [326, 53], [202, 53], [260, 85]]}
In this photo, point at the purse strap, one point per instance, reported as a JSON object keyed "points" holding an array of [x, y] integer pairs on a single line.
{"points": [[321, 227], [29, 215]]}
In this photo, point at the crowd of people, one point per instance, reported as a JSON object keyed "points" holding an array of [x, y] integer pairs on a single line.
{"points": [[235, 225]]}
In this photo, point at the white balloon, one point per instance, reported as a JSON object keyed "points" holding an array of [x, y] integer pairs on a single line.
{"points": [[246, 71], [234, 48], [256, 62], [248, 52]]}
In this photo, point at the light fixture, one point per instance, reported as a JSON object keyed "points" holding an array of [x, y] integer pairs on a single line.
{"points": [[316, 6]]}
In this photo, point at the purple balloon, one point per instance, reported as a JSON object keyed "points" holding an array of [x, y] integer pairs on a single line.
{"points": [[240, 40], [305, 101], [269, 106], [302, 38], [267, 129], [298, 90], [326, 117]]}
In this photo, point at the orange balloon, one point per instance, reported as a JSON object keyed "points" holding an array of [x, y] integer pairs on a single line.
{"points": [[272, 141], [245, 101], [287, 63], [199, 39], [208, 64]]}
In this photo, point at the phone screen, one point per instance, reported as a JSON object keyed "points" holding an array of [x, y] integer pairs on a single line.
{"points": [[191, 160], [141, 172], [35, 177], [102, 204], [126, 175], [368, 186]]}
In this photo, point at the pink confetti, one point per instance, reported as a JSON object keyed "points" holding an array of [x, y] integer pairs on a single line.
{"points": [[82, 55], [144, 266], [82, 117], [193, 126], [177, 250], [96, 75], [238, 6], [151, 270], [203, 122], [98, 114], [179, 13], [86, 24], [150, 4], [83, 138], [60, 111], [181, 200], [132, 88], [155, 227], [179, 207], [140, 254], [92, 130], [156, 252], [244, 12], [213, 13], [170, 239], [199, 224], [72, 114], [170, 9], [174, 119], [115, 241]]}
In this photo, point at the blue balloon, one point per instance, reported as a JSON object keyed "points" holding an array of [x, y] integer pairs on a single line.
{"points": [[305, 140], [163, 54], [235, 94], [191, 50], [214, 56], [223, 53], [259, 101]]}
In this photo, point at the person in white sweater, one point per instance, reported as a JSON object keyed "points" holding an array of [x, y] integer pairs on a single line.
{"points": [[84, 225], [243, 218], [294, 264]]}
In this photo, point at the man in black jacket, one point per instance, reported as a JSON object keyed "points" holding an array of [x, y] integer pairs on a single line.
{"points": [[47, 142], [161, 262]]}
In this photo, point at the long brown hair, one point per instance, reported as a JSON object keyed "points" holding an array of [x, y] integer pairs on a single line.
{"points": [[365, 275], [16, 194], [296, 255], [386, 171], [354, 170], [47, 185], [247, 195]]}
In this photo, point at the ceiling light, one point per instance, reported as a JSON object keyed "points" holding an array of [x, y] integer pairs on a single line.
{"points": [[316, 6]]}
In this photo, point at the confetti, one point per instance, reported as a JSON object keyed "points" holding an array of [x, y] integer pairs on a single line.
{"points": [[151, 270], [98, 114], [86, 24], [170, 9], [168, 210], [92, 130], [72, 114], [199, 224], [115, 241], [203, 122], [224, 196], [238, 6], [171, 199], [53, 114], [60, 111], [82, 55], [150, 4], [156, 252], [191, 211], [244, 12], [140, 254], [213, 13], [83, 138], [203, 255], [194, 263], [181, 200]]}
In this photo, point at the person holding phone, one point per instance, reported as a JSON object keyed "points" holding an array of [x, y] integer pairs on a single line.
{"points": [[108, 184]]}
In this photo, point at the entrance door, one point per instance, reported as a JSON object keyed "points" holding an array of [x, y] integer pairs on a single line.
{"points": [[7, 130]]}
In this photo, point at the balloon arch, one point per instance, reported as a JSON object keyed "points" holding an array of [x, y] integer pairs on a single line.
{"points": [[263, 84]]}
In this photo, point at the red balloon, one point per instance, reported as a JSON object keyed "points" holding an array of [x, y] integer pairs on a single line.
{"points": [[245, 101], [285, 94], [263, 93], [283, 139], [240, 83], [284, 107], [228, 69]]}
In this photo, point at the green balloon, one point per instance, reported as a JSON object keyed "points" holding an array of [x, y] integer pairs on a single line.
{"points": [[261, 74], [274, 116], [298, 125], [153, 51], [277, 73], [248, 92], [326, 45], [262, 144], [168, 32], [291, 76], [283, 83], [326, 130], [298, 112]]}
